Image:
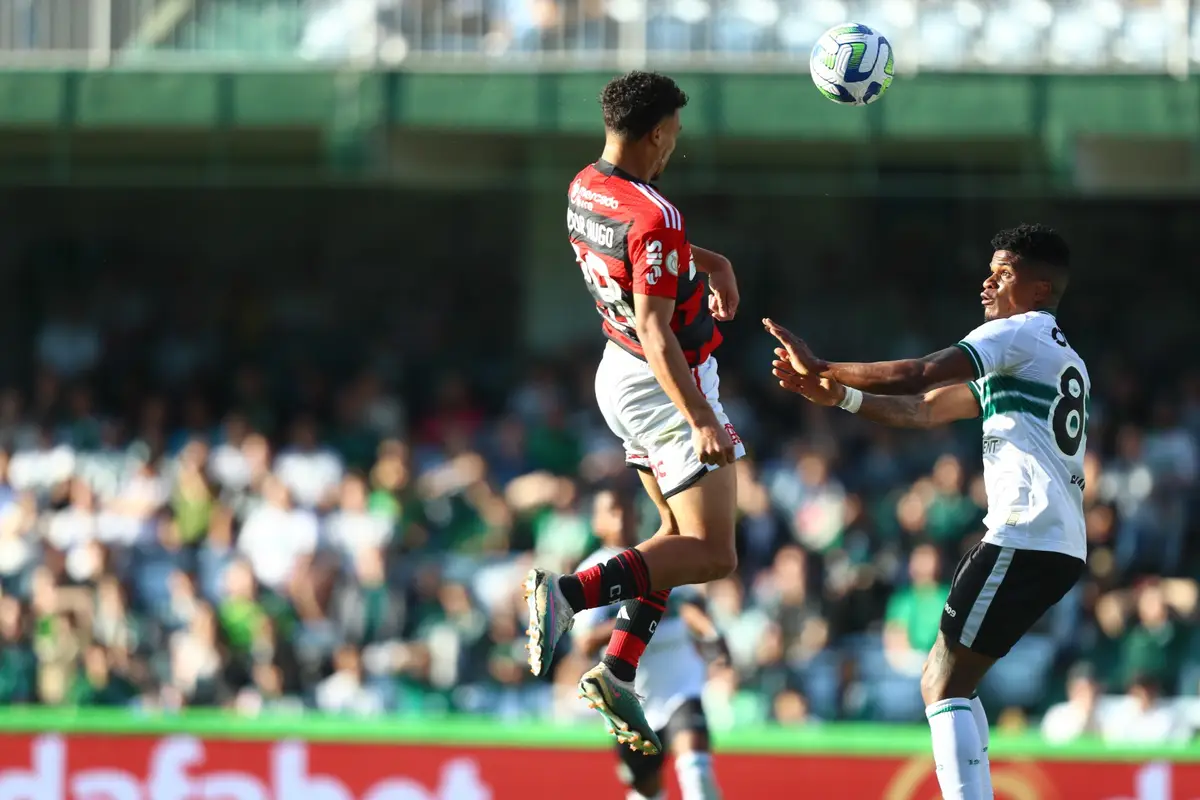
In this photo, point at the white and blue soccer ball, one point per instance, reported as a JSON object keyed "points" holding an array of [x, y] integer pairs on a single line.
{"points": [[852, 64]]}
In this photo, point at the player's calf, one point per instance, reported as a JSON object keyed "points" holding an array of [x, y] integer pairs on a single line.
{"points": [[635, 625], [948, 682]]}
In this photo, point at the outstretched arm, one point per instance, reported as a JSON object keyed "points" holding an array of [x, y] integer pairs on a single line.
{"points": [[907, 376], [933, 408], [937, 407]]}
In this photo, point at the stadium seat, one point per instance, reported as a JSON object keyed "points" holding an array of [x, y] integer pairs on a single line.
{"points": [[897, 698], [821, 680], [1019, 679]]}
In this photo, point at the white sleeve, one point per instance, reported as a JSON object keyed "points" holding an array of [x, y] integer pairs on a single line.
{"points": [[990, 346]]}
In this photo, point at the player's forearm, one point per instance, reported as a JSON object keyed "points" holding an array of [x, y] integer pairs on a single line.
{"points": [[671, 369], [903, 411], [882, 377], [709, 261], [699, 624], [597, 637]]}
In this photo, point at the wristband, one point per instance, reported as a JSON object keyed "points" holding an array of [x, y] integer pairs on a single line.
{"points": [[852, 402]]}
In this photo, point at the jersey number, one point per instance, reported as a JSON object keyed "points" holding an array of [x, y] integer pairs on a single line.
{"points": [[1067, 411], [604, 288]]}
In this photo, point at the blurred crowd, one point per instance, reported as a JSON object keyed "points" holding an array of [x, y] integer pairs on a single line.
{"points": [[362, 553], [968, 35], [937, 34]]}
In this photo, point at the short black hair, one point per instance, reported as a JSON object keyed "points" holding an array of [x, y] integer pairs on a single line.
{"points": [[1041, 247], [634, 103], [623, 495]]}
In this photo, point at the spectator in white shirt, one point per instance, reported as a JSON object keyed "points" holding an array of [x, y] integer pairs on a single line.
{"points": [[1142, 717], [352, 527], [277, 539], [310, 471], [129, 517], [228, 464], [344, 692], [73, 530], [1080, 714], [43, 468]]}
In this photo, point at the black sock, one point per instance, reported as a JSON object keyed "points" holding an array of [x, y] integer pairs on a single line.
{"points": [[622, 577], [636, 623]]}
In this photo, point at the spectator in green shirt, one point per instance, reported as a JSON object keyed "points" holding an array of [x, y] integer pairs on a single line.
{"points": [[1152, 647], [915, 611], [97, 685]]}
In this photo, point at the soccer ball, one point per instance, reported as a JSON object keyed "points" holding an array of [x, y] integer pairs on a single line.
{"points": [[852, 64]]}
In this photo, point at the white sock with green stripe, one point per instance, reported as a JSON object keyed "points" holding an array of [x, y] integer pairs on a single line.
{"points": [[956, 749], [981, 725], [696, 779]]}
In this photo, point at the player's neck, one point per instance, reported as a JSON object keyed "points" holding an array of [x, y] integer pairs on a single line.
{"points": [[627, 160]]}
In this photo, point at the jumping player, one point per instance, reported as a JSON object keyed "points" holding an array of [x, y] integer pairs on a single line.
{"points": [[672, 673], [657, 387], [1018, 372]]}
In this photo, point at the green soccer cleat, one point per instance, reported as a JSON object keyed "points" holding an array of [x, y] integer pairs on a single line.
{"points": [[619, 704], [550, 616]]}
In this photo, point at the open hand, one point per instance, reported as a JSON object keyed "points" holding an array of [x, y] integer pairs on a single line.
{"points": [[795, 351], [822, 391]]}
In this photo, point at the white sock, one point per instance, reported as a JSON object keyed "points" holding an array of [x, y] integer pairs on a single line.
{"points": [[633, 794], [956, 749], [696, 778], [981, 725]]}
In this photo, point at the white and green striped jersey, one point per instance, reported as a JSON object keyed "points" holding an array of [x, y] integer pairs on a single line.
{"points": [[1033, 391]]}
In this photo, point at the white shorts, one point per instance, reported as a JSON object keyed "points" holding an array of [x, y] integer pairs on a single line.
{"points": [[657, 438]]}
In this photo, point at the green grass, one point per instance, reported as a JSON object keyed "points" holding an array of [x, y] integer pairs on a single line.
{"points": [[841, 738]]}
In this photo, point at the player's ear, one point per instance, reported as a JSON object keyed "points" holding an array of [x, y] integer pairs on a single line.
{"points": [[1044, 292]]}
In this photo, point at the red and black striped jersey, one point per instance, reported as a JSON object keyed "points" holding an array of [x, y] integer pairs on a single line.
{"points": [[628, 239]]}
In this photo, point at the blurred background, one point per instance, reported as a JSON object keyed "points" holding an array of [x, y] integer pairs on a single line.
{"points": [[297, 376]]}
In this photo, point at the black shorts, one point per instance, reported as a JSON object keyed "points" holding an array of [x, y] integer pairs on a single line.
{"points": [[999, 593], [635, 767]]}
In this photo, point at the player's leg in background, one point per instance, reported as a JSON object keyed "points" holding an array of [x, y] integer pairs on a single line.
{"points": [[694, 765], [640, 617], [641, 774]]}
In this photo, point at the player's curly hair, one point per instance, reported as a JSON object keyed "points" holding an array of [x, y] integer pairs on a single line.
{"points": [[1035, 243], [1042, 248], [635, 102]]}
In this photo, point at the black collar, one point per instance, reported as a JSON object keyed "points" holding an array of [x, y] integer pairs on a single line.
{"points": [[612, 170]]}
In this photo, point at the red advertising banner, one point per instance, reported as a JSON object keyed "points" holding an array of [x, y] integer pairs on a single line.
{"points": [[52, 767]]}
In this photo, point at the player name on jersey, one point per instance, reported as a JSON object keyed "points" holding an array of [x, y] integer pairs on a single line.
{"points": [[628, 239]]}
